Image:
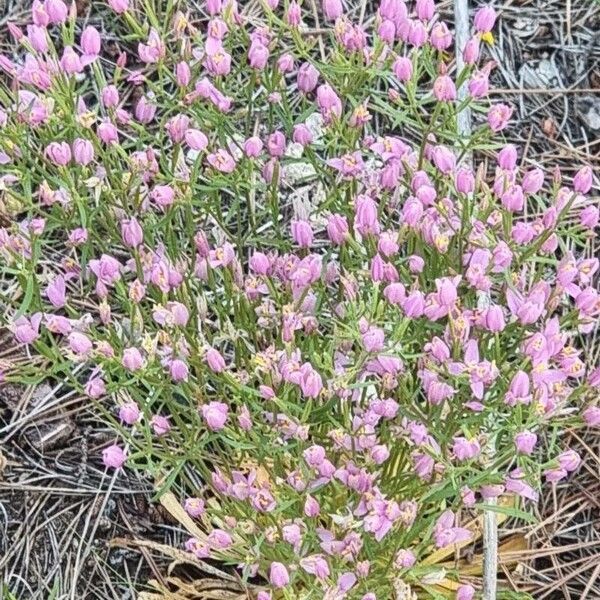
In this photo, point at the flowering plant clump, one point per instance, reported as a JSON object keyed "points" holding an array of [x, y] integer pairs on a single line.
{"points": [[270, 260]]}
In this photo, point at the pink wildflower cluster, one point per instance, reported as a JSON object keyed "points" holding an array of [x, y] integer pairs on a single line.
{"points": [[274, 267]]}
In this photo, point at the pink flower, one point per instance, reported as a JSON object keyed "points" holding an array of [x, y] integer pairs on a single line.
{"points": [[131, 232], [215, 415], [471, 51], [404, 559], [444, 159], [373, 339], [310, 381], [414, 304], [582, 182], [445, 534], [129, 413], [569, 460], [425, 9], [302, 135], [59, 153], [195, 139], [593, 378], [153, 50], [183, 74], [479, 84], [39, 14], [145, 109], [163, 195], [114, 457], [315, 565], [194, 507], [337, 229], [468, 496], [178, 370], [332, 9], [70, 61], [589, 217], [379, 454], [493, 319], [416, 263], [56, 10], [213, 7], [403, 68], [532, 181], [215, 360], [285, 63], [119, 6], [554, 475], [366, 220], [217, 61], [38, 38], [95, 387], [518, 391], [292, 534], [220, 539], [90, 43], [311, 507], [392, 10], [485, 18], [221, 161], [591, 416], [525, 442], [345, 582], [388, 243], [513, 198], [395, 293], [278, 575], [258, 55], [444, 89], [276, 144], [382, 516], [507, 157], [294, 14], [177, 127], [160, 425], [222, 256], [25, 330], [107, 270], [464, 180], [83, 151], [253, 147], [329, 103], [517, 485], [465, 592], [498, 117], [350, 165], [440, 37], [465, 449], [197, 548], [56, 292], [302, 233], [79, 343], [527, 309], [417, 34], [108, 133], [260, 263], [244, 419], [387, 31], [132, 359]]}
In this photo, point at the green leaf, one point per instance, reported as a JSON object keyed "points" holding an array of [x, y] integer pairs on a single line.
{"points": [[508, 510]]}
